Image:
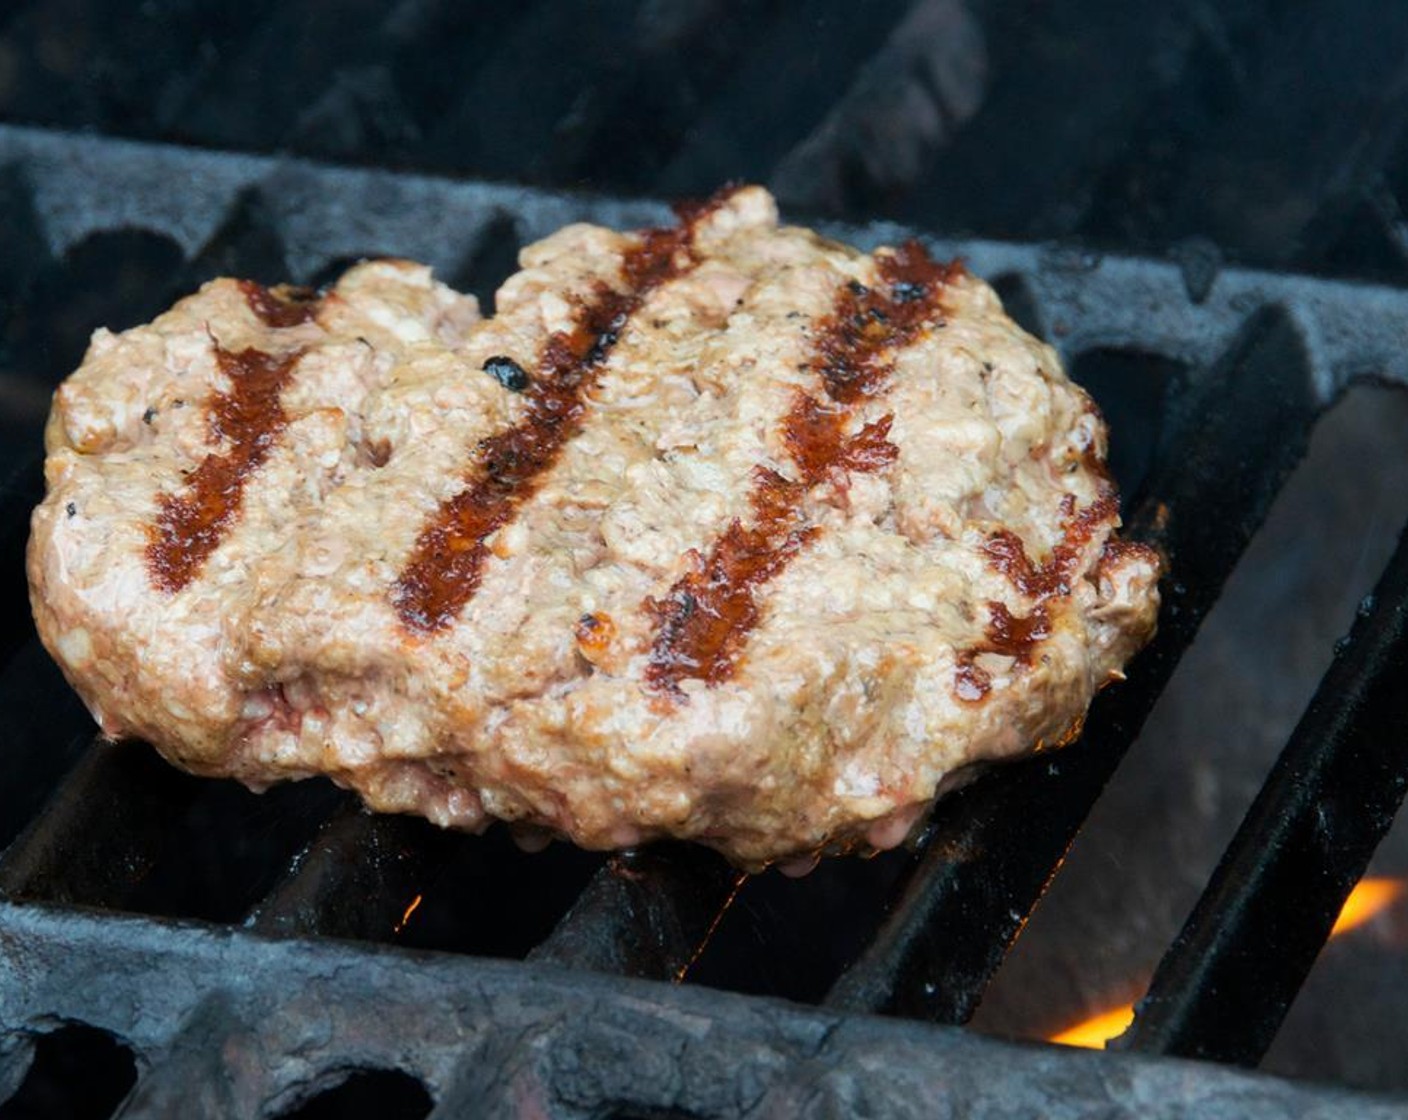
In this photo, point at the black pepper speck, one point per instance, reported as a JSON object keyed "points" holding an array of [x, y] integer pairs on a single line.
{"points": [[71, 509]]}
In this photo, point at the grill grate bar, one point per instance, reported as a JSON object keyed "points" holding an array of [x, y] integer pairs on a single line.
{"points": [[354, 878], [102, 832], [980, 874], [20, 491], [646, 913], [1304, 843], [86, 185], [258, 1024], [126, 830]]}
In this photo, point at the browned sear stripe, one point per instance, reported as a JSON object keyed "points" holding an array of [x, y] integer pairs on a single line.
{"points": [[446, 564], [1009, 556], [189, 525], [704, 620], [1006, 634], [1016, 637], [281, 306]]}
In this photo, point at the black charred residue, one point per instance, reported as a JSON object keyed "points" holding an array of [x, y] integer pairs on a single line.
{"points": [[507, 372], [71, 510]]}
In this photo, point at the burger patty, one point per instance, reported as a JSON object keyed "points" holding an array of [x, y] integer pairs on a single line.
{"points": [[720, 531]]}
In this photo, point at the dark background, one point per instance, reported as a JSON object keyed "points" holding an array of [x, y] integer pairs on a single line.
{"points": [[1262, 132]]}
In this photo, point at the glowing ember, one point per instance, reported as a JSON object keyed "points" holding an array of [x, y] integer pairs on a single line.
{"points": [[1368, 899], [406, 917]]}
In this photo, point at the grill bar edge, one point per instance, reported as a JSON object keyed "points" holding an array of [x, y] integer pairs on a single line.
{"points": [[1302, 846], [271, 1017]]}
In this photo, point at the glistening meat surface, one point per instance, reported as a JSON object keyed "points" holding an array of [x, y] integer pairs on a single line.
{"points": [[719, 531]]}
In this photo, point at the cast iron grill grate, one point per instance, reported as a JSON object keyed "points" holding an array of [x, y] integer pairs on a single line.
{"points": [[121, 914]]}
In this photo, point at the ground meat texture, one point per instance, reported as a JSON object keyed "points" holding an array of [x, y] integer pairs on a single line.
{"points": [[718, 531]]}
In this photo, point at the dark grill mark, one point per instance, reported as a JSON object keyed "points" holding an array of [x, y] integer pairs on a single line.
{"points": [[190, 525], [281, 306], [1016, 637], [1006, 634], [1117, 552], [446, 564], [1007, 554], [704, 620]]}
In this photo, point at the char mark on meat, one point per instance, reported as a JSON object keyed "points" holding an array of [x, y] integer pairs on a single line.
{"points": [[190, 525], [703, 621], [445, 568]]}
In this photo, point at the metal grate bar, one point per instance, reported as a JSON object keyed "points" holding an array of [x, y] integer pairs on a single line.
{"points": [[646, 914], [253, 1026], [20, 492], [127, 830], [992, 848], [1304, 843], [356, 878], [46, 730], [102, 832], [1190, 313]]}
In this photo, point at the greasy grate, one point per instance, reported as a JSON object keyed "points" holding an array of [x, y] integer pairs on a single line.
{"points": [[258, 1021]]}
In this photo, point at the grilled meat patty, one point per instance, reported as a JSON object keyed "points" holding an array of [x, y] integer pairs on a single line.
{"points": [[720, 531]]}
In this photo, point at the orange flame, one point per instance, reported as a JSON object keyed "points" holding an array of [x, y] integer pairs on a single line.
{"points": [[1369, 898], [1094, 1032]]}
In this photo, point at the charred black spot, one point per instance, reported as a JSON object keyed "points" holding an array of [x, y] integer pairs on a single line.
{"points": [[148, 416], [71, 509], [606, 338], [506, 372]]}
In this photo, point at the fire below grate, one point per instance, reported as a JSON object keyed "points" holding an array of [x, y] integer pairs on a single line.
{"points": [[257, 1021]]}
